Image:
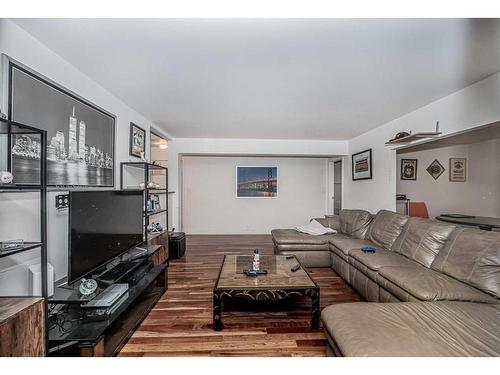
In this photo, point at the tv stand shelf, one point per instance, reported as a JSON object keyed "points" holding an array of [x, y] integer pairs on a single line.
{"points": [[71, 294]]}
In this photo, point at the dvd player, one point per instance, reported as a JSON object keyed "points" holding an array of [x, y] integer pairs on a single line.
{"points": [[97, 314]]}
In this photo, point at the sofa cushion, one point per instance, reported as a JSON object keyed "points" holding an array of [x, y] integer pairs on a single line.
{"points": [[309, 258], [370, 263], [414, 329], [472, 256], [381, 258], [386, 227], [422, 239], [345, 244], [333, 221], [354, 223], [423, 284], [291, 236]]}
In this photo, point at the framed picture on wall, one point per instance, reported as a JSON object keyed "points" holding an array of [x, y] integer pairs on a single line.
{"points": [[362, 165], [435, 169], [458, 169], [137, 140], [408, 169], [256, 182], [80, 135]]}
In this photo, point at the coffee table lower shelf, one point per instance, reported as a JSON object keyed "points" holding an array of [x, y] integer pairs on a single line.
{"points": [[219, 295]]}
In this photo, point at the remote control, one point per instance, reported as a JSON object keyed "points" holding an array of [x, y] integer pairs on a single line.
{"points": [[255, 273], [290, 257], [295, 268], [368, 249]]}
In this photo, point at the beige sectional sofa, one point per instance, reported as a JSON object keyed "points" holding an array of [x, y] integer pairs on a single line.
{"points": [[450, 274]]}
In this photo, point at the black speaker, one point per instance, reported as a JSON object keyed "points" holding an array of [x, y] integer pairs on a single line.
{"points": [[176, 245]]}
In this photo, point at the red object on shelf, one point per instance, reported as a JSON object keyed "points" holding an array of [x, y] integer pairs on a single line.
{"points": [[419, 209]]}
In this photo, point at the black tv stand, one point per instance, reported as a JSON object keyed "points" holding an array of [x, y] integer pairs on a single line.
{"points": [[78, 337]]}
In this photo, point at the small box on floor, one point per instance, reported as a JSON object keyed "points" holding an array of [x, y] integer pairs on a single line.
{"points": [[176, 245]]}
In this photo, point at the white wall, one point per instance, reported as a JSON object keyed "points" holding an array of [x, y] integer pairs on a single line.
{"points": [[479, 195], [180, 147], [21, 46], [210, 205], [475, 105]]}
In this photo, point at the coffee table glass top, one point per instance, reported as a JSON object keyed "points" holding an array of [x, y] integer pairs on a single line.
{"points": [[279, 274]]}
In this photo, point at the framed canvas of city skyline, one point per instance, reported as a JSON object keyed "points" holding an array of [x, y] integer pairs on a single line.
{"points": [[80, 136], [256, 182]]}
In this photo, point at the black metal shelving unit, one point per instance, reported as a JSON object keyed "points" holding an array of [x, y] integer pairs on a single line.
{"points": [[146, 178], [11, 129]]}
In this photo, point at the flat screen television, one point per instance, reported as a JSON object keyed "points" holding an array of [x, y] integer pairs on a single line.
{"points": [[102, 226]]}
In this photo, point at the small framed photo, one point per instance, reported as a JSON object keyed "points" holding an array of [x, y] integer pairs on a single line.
{"points": [[408, 169], [137, 140], [458, 169], [362, 165]]}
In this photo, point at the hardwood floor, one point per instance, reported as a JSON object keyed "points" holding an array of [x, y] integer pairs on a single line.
{"points": [[181, 322]]}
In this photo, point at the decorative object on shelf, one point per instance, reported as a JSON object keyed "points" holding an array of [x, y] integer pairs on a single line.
{"points": [[10, 245], [153, 185], [404, 137], [408, 169], [6, 177], [88, 287], [154, 202], [399, 136], [362, 165], [435, 169], [256, 182], [80, 135], [155, 228], [137, 141], [458, 169]]}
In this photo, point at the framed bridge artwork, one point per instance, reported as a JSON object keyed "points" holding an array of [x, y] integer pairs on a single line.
{"points": [[256, 182]]}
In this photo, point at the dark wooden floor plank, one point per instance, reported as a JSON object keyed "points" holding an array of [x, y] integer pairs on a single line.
{"points": [[181, 322]]}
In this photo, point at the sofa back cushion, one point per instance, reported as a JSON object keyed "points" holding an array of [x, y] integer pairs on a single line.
{"points": [[422, 239], [333, 222], [473, 257], [386, 227], [355, 223]]}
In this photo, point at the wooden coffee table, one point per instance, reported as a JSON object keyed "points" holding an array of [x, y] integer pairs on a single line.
{"points": [[280, 283]]}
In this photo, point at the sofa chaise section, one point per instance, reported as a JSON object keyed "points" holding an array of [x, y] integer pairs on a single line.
{"points": [[412, 329], [311, 251], [445, 284]]}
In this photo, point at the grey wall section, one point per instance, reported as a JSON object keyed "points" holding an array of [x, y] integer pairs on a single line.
{"points": [[209, 199], [479, 195], [19, 215]]}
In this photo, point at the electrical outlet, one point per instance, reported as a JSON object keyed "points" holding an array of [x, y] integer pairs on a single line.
{"points": [[62, 201]]}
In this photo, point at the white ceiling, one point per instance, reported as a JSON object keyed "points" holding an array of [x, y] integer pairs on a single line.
{"points": [[284, 79]]}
